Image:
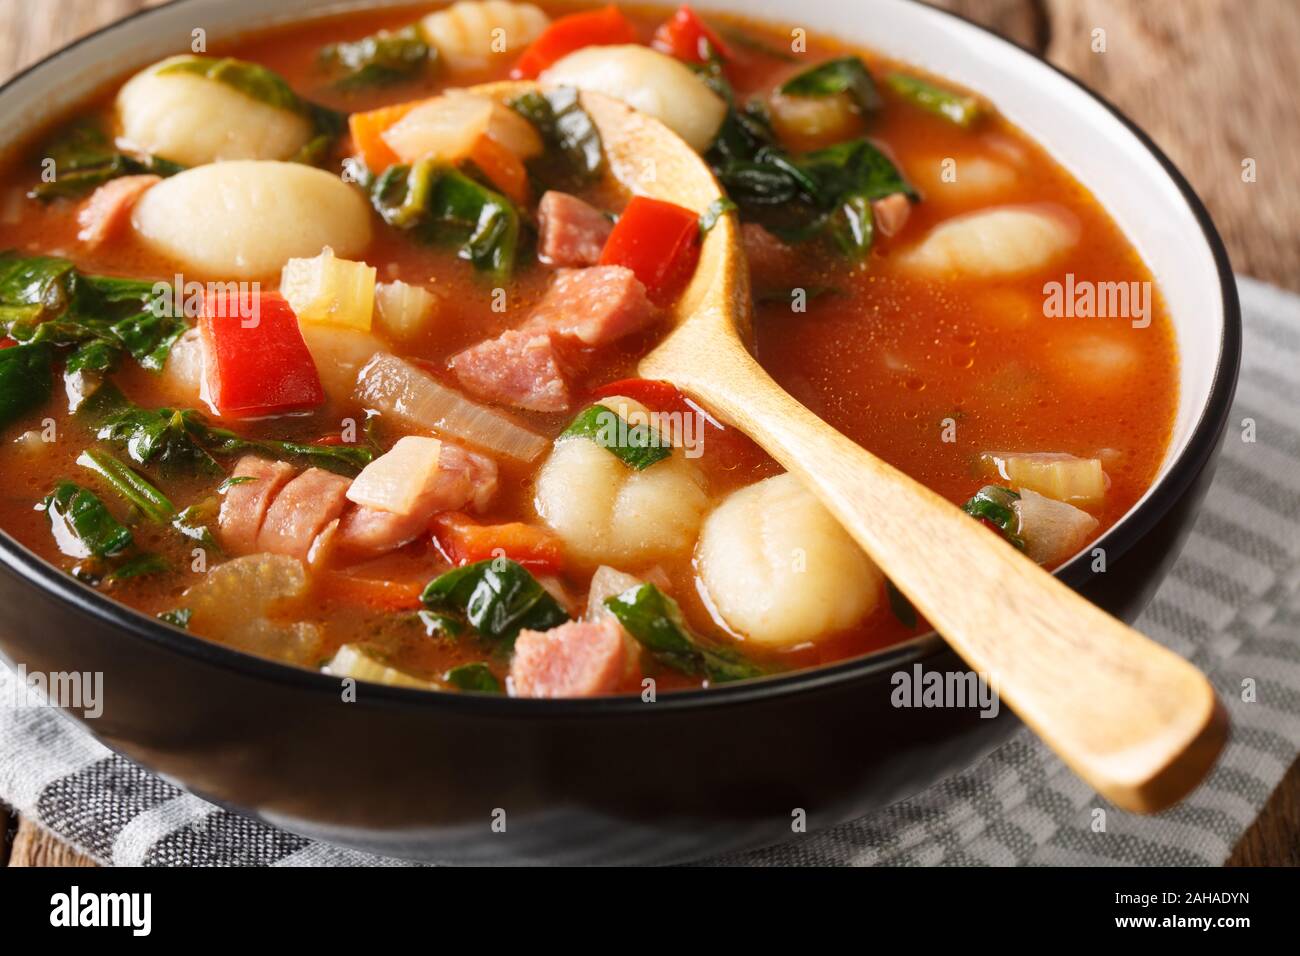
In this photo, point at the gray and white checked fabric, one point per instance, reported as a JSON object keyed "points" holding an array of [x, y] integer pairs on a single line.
{"points": [[1232, 605]]}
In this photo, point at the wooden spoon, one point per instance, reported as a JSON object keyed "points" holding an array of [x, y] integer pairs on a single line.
{"points": [[1135, 720]]}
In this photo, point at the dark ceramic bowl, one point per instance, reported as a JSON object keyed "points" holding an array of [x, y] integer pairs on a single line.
{"points": [[425, 775]]}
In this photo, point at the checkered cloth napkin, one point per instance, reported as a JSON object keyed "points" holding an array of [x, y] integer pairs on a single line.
{"points": [[1231, 605]]}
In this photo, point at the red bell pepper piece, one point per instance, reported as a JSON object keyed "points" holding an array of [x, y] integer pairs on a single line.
{"points": [[607, 26], [464, 541], [657, 240], [688, 38], [261, 367], [7, 343]]}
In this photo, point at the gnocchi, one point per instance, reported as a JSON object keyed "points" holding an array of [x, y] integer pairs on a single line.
{"points": [[192, 120], [780, 570], [608, 513], [245, 219], [994, 243], [650, 81], [469, 34]]}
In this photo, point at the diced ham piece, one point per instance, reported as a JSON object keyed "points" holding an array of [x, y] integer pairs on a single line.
{"points": [[520, 367], [577, 659], [772, 263], [464, 479], [596, 306], [572, 232], [891, 213], [109, 207], [301, 511], [244, 506]]}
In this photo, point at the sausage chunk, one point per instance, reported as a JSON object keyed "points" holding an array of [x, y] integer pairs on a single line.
{"points": [[595, 306], [520, 367], [301, 511], [245, 503], [577, 659], [571, 232]]}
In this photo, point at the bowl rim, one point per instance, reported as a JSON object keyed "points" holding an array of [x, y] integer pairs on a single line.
{"points": [[1118, 540]]}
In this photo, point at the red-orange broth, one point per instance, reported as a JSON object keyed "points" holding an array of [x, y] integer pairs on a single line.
{"points": [[889, 358]]}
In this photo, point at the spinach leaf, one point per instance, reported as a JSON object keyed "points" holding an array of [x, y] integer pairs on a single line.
{"points": [[178, 617], [25, 380], [46, 299], [266, 86], [900, 606], [996, 505], [81, 523], [439, 204], [84, 159], [844, 75], [568, 132], [474, 676], [656, 622], [380, 59], [637, 446], [498, 597], [132, 486], [183, 440], [959, 108], [138, 566], [717, 209]]}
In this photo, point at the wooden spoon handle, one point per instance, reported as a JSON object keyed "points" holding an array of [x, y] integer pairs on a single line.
{"points": [[1135, 720]]}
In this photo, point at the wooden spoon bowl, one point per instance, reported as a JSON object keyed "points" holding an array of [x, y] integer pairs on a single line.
{"points": [[1135, 720]]}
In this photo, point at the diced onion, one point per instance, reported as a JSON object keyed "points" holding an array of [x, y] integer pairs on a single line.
{"points": [[354, 660], [1051, 530], [404, 310], [395, 387], [330, 290], [446, 127], [514, 132], [606, 582], [1079, 481], [397, 479]]}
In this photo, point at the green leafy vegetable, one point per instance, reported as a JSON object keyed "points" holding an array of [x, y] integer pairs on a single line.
{"points": [[266, 86], [82, 524], [138, 566], [100, 318], [440, 625], [183, 440], [656, 622], [996, 505], [178, 617], [437, 203], [498, 597], [959, 108], [380, 59], [717, 209], [900, 605], [568, 132], [637, 446], [474, 676], [826, 193], [132, 486], [741, 39], [25, 380], [844, 75], [85, 158]]}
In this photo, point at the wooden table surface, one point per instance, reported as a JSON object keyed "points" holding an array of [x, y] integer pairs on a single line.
{"points": [[1212, 81]]}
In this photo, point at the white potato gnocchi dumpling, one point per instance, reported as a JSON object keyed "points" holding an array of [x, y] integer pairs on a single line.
{"points": [[608, 513], [470, 34], [780, 569], [647, 80], [963, 177], [993, 243], [193, 120], [246, 219]]}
